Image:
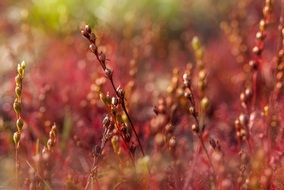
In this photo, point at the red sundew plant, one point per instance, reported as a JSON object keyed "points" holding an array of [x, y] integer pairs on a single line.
{"points": [[108, 114]]}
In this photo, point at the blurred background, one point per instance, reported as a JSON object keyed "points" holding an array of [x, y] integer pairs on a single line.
{"points": [[60, 70]]}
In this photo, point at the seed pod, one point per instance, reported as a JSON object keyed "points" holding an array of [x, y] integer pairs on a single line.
{"points": [[50, 143], [186, 79], [248, 93], [169, 128], [260, 35], [115, 145], [93, 48], [192, 110], [120, 92], [202, 74], [108, 73], [88, 28], [102, 57], [262, 25], [18, 80], [114, 101], [257, 50], [20, 124], [103, 98], [85, 34], [243, 119], [172, 142], [17, 106], [18, 91], [204, 104], [106, 121], [237, 124], [195, 128], [16, 138], [253, 64], [195, 43]]}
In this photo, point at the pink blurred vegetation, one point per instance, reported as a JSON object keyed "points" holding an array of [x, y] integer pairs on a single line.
{"points": [[207, 110]]}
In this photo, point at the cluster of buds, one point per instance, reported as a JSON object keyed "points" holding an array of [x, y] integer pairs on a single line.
{"points": [[188, 95], [130, 86], [202, 74], [52, 138], [174, 84], [261, 35], [101, 57], [95, 90], [234, 31], [279, 61], [241, 126], [119, 100], [246, 97], [162, 125], [18, 102]]}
